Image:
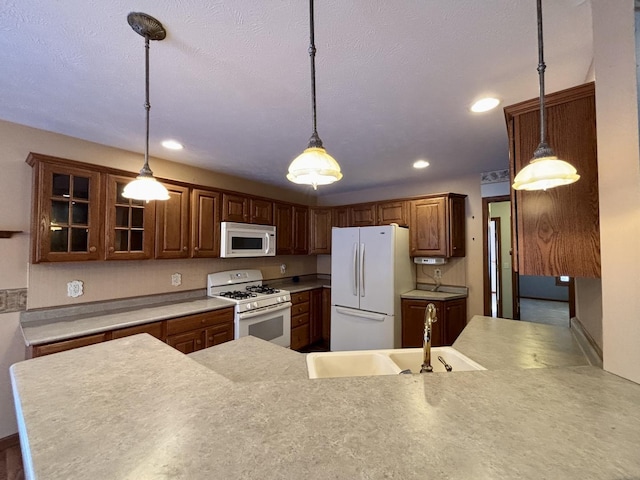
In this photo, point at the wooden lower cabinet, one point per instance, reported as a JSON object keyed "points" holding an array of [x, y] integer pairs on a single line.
{"points": [[310, 312], [451, 316], [187, 334], [300, 319], [315, 316]]}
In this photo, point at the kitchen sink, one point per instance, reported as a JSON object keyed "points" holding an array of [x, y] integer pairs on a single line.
{"points": [[383, 362]]}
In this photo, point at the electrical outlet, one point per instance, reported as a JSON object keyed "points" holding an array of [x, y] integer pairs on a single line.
{"points": [[75, 288], [176, 279], [437, 273], [283, 269]]}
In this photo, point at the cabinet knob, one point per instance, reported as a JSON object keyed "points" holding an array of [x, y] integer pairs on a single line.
{"points": [[111, 249], [197, 249], [198, 342], [184, 249], [455, 248], [92, 249]]}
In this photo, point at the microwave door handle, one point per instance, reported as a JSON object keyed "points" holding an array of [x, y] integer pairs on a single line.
{"points": [[267, 242], [354, 266], [362, 269]]}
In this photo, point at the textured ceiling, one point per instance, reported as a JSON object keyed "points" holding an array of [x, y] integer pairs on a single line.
{"points": [[231, 81]]}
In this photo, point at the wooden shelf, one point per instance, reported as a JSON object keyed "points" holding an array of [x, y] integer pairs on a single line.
{"points": [[8, 233]]}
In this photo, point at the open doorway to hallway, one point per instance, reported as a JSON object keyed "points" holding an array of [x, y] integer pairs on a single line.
{"points": [[547, 300]]}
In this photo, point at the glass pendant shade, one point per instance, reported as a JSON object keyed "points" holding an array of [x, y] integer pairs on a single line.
{"points": [[145, 188], [314, 167], [544, 173]]}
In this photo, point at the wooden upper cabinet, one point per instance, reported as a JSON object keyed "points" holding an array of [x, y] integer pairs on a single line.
{"points": [[67, 212], [320, 231], [437, 226], [300, 230], [557, 231], [235, 208], [172, 224], [261, 211], [363, 215], [129, 226], [283, 220], [205, 223], [393, 212], [340, 216]]}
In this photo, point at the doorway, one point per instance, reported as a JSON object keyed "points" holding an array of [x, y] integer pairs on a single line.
{"points": [[498, 277]]}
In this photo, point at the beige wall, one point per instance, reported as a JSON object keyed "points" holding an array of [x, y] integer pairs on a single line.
{"points": [[103, 280], [589, 307], [619, 184], [464, 271]]}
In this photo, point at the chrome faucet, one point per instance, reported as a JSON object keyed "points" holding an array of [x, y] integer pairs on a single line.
{"points": [[429, 319]]}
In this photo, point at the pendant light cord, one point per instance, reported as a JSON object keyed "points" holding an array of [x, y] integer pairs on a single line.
{"points": [[146, 171], [543, 150], [314, 141]]}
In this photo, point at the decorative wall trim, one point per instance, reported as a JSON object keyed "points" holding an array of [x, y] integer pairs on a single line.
{"points": [[13, 300], [495, 176]]}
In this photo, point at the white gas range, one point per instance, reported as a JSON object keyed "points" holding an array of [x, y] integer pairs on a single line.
{"points": [[260, 311]]}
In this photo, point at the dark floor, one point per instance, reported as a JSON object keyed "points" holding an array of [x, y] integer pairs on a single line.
{"points": [[544, 311]]}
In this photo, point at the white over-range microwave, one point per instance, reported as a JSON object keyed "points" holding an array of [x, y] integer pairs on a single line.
{"points": [[247, 240]]}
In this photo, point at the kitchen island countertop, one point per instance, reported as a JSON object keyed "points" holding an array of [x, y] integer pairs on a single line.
{"points": [[136, 408]]}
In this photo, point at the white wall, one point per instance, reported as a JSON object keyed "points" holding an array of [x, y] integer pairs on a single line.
{"points": [[619, 184]]}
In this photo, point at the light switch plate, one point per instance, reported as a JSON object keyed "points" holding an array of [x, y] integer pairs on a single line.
{"points": [[75, 288]]}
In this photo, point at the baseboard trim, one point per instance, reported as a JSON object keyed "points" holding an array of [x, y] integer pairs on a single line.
{"points": [[545, 299], [10, 441], [588, 345]]}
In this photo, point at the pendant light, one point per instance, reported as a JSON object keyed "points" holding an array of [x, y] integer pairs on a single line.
{"points": [[545, 170], [314, 166], [145, 186]]}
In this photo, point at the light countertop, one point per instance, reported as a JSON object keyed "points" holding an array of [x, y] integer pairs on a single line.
{"points": [[135, 408]]}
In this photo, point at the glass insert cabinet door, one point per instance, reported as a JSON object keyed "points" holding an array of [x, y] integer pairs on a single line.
{"points": [[129, 223], [69, 214]]}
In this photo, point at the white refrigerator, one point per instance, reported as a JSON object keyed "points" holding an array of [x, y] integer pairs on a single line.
{"points": [[370, 268]]}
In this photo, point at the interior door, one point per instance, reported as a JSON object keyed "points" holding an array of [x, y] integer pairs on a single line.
{"points": [[376, 269], [344, 267]]}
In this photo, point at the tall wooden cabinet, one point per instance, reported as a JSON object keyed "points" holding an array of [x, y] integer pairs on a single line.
{"points": [[320, 231], [172, 224], [451, 319], [205, 223], [437, 226], [557, 231]]}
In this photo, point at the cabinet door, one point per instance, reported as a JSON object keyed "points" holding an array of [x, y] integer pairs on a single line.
{"points": [[315, 316], [363, 215], [172, 224], [455, 319], [326, 315], [557, 231], [340, 217], [457, 226], [40, 350], [428, 230], [67, 217], [300, 337], [261, 211], [235, 208], [300, 230], [219, 334], [188, 342], [320, 230], [205, 223], [413, 315], [129, 223], [283, 216], [393, 212]]}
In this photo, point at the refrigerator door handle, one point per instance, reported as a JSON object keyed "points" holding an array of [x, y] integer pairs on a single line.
{"points": [[362, 269], [354, 265], [378, 317]]}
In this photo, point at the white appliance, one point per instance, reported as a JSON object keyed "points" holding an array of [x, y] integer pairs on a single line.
{"points": [[260, 311], [370, 268], [247, 240]]}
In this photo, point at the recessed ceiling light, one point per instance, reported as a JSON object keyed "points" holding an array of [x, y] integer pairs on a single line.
{"points": [[420, 164], [172, 145], [485, 104]]}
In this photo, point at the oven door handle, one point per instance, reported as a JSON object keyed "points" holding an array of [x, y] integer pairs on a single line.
{"points": [[262, 311]]}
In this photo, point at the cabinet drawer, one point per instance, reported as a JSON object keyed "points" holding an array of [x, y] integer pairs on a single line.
{"points": [[298, 320], [300, 337], [199, 320], [300, 297], [154, 329], [40, 350], [300, 308]]}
